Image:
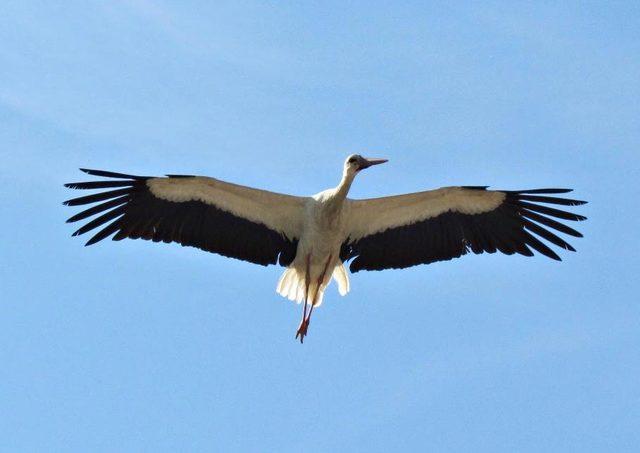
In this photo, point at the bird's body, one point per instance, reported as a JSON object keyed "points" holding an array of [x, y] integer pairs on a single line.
{"points": [[318, 252], [314, 236]]}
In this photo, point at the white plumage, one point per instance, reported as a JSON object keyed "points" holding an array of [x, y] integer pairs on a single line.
{"points": [[314, 236], [283, 213]]}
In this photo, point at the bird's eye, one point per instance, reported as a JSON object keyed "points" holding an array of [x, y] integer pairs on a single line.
{"points": [[352, 160]]}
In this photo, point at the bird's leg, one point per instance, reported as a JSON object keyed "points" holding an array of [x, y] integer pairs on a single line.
{"points": [[315, 296], [302, 328], [307, 281]]}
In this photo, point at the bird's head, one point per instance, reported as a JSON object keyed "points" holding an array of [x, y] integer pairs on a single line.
{"points": [[356, 162]]}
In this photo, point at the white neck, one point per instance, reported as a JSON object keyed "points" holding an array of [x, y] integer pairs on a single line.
{"points": [[345, 184], [335, 201]]}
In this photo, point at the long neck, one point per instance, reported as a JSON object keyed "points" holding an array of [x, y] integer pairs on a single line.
{"points": [[335, 202], [345, 184]]}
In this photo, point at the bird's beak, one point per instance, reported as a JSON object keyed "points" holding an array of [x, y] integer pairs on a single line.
{"points": [[368, 162]]}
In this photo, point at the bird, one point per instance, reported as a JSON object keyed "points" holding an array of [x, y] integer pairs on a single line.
{"points": [[314, 237]]}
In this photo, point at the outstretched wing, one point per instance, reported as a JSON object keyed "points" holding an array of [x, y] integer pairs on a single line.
{"points": [[438, 225], [232, 220]]}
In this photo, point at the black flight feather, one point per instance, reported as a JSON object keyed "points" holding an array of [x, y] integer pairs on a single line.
{"points": [[134, 212], [509, 228]]}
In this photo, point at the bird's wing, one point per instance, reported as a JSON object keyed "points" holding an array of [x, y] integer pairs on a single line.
{"points": [[232, 220], [437, 225]]}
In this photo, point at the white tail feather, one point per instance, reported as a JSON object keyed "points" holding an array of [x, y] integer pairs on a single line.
{"points": [[292, 284], [342, 279]]}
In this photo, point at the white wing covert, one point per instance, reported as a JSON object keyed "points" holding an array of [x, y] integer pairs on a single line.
{"points": [[436, 225], [253, 225]]}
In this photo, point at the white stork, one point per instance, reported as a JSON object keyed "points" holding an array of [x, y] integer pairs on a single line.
{"points": [[314, 236]]}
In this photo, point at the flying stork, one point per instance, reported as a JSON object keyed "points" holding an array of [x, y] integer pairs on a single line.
{"points": [[314, 236]]}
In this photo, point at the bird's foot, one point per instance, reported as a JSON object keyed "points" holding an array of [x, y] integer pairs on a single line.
{"points": [[302, 330]]}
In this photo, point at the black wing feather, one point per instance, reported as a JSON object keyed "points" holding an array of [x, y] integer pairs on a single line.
{"points": [[134, 212], [99, 208], [510, 228]]}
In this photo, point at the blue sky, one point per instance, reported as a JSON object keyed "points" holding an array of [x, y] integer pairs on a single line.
{"points": [[133, 346]]}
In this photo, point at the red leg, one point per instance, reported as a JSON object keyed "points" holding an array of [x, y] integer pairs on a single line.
{"points": [[302, 328], [315, 296]]}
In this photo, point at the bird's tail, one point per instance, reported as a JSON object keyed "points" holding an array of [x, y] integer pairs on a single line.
{"points": [[342, 279], [292, 284]]}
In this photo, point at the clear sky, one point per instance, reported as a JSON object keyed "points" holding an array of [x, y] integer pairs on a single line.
{"points": [[134, 346]]}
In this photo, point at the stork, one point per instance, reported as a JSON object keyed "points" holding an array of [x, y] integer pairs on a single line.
{"points": [[314, 236]]}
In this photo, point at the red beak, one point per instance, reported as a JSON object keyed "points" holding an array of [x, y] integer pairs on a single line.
{"points": [[368, 162]]}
